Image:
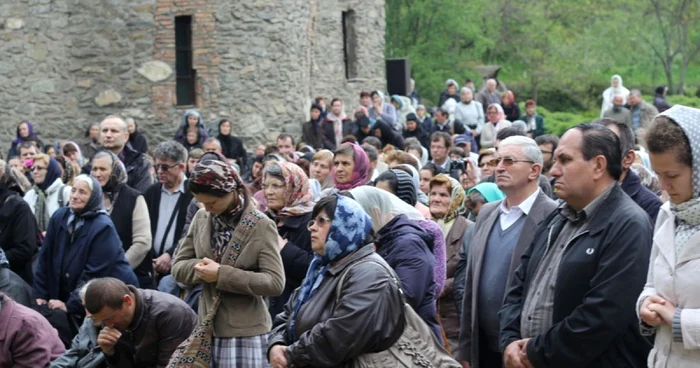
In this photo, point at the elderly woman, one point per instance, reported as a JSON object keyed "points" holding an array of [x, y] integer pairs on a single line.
{"points": [[128, 211], [446, 206], [405, 246], [320, 328], [80, 244], [49, 192], [18, 230], [669, 305], [350, 168], [321, 167], [496, 122], [289, 204], [231, 249]]}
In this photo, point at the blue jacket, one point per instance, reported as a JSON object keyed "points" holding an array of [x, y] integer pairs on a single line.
{"points": [[641, 195], [96, 251], [407, 248]]}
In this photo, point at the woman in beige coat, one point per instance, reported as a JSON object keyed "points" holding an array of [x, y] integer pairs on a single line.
{"points": [[670, 302], [229, 230]]}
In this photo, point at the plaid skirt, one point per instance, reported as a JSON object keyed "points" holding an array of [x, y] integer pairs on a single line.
{"points": [[248, 352]]}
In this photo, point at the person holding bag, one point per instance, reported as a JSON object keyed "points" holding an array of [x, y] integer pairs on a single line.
{"points": [[231, 249]]}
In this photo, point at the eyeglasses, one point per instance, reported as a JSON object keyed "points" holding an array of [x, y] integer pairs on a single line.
{"points": [[507, 161], [320, 221], [274, 186], [164, 167], [490, 163], [38, 168]]}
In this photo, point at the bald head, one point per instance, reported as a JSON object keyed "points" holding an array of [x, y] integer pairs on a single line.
{"points": [[114, 133], [618, 100]]}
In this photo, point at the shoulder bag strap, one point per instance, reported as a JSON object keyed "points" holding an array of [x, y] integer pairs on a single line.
{"points": [[339, 287]]}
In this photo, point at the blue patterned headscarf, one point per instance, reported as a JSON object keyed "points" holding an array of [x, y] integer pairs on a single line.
{"points": [[350, 227]]}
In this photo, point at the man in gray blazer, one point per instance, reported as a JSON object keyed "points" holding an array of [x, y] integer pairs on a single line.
{"points": [[503, 231]]}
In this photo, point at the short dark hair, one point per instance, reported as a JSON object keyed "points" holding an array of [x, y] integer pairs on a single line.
{"points": [[349, 138], [441, 136], [665, 135], [371, 152], [336, 99], [105, 292], [284, 136], [373, 141], [259, 159], [365, 94], [458, 151], [626, 134], [434, 169], [27, 145], [508, 132], [598, 140], [326, 204], [442, 111], [548, 139]]}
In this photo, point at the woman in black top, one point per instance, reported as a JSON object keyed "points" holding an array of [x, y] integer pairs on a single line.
{"points": [[231, 147]]}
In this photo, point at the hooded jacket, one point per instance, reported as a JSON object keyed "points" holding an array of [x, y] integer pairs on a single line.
{"points": [[389, 135], [423, 137], [408, 249]]}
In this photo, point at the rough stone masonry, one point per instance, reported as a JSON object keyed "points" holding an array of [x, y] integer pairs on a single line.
{"points": [[259, 63]]}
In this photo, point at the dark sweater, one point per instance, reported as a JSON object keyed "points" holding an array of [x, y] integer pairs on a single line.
{"points": [[122, 218]]}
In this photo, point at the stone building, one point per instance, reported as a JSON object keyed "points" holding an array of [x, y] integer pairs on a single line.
{"points": [[65, 63]]}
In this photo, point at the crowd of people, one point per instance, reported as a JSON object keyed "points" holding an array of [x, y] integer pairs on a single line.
{"points": [[459, 236]]}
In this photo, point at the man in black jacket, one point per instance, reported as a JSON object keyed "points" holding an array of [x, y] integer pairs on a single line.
{"points": [[571, 302], [115, 137]]}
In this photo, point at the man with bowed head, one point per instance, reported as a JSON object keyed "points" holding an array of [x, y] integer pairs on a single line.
{"points": [[571, 302]]}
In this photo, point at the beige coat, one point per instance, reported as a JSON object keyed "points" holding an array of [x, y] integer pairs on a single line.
{"points": [[258, 273], [676, 280]]}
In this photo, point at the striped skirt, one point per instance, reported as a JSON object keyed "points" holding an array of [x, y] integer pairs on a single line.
{"points": [[248, 352]]}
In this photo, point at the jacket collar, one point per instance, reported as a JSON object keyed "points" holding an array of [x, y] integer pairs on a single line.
{"points": [[609, 206], [341, 265], [631, 184]]}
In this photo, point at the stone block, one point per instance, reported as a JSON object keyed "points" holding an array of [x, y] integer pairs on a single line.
{"points": [[43, 86], [84, 83], [155, 70], [14, 23], [107, 97]]}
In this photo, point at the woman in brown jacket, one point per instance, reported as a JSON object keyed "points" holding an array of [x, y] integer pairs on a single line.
{"points": [[229, 230]]}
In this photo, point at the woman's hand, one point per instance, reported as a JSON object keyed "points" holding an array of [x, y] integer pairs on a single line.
{"points": [[41, 301], [666, 310], [57, 304], [278, 359], [649, 316], [207, 270]]}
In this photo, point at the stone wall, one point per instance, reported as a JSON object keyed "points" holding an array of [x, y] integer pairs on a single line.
{"points": [[65, 63]]}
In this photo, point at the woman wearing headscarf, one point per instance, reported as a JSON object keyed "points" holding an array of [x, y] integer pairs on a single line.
{"points": [[350, 168], [69, 170], [289, 204], [669, 305], [381, 110], [312, 133], [496, 121], [18, 231], [80, 244], [92, 142], [446, 206], [71, 151], [405, 246], [49, 193], [320, 328], [403, 108], [510, 106], [616, 88], [192, 119], [127, 209], [387, 135], [450, 91], [232, 147], [25, 132], [137, 140], [232, 250]]}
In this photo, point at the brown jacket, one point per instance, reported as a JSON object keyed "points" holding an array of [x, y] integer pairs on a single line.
{"points": [[257, 273], [448, 309]]}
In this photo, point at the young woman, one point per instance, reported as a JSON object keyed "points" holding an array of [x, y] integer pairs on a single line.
{"points": [[232, 147], [427, 173], [231, 249], [669, 305], [319, 328]]}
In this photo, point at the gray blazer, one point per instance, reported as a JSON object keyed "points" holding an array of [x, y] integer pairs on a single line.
{"points": [[488, 215]]}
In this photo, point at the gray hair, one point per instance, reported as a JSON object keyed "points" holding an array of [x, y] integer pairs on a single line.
{"points": [[83, 291], [636, 92], [213, 140], [491, 80], [170, 150], [465, 89], [520, 126], [531, 150]]}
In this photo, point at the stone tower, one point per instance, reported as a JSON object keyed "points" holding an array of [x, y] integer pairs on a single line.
{"points": [[259, 63]]}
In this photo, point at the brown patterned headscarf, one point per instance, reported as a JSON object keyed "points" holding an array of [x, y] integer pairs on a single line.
{"points": [[215, 174]]}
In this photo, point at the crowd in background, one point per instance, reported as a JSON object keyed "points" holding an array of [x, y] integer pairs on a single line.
{"points": [[463, 234]]}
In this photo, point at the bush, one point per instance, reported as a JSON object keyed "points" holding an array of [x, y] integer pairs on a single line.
{"points": [[684, 100], [559, 122]]}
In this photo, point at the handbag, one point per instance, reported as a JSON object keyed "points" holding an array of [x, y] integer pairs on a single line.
{"points": [[417, 347], [196, 350]]}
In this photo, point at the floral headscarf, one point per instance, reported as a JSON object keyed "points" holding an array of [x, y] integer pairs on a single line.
{"points": [[349, 229], [118, 175], [360, 171], [298, 198], [456, 199]]}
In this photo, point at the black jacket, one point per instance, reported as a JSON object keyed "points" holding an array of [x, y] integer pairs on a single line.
{"points": [[601, 275], [296, 257], [19, 234], [121, 216], [423, 137], [138, 169], [329, 133], [311, 137], [152, 197], [645, 198], [232, 147], [138, 142], [14, 287]]}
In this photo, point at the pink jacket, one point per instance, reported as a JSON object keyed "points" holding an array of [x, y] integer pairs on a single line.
{"points": [[27, 340]]}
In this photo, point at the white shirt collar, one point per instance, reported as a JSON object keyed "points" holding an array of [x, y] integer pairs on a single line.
{"points": [[524, 207]]}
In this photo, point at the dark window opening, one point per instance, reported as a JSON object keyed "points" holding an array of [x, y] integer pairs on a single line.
{"points": [[349, 44], [186, 75]]}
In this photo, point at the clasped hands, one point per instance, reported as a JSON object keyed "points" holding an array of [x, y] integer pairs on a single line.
{"points": [[207, 270], [515, 355], [656, 311]]}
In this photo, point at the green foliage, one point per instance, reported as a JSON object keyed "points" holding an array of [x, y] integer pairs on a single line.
{"points": [[684, 100], [558, 122]]}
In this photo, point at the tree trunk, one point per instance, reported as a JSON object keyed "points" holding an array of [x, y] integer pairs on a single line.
{"points": [[681, 77], [668, 64]]}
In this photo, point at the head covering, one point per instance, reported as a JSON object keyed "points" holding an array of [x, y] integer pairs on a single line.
{"points": [[648, 178], [405, 189], [317, 107], [77, 148], [363, 122], [360, 170], [298, 198], [457, 197], [462, 139], [450, 105], [53, 172], [215, 174], [383, 206], [451, 82], [388, 133], [93, 207], [489, 191], [415, 177], [30, 129], [398, 100], [688, 213], [500, 116], [11, 179], [660, 90], [87, 131], [412, 117], [118, 175], [618, 77], [350, 228]]}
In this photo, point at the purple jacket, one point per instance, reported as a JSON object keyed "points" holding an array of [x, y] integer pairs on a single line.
{"points": [[27, 340]]}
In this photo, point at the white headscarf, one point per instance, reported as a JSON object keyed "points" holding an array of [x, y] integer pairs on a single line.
{"points": [[611, 92], [383, 206]]}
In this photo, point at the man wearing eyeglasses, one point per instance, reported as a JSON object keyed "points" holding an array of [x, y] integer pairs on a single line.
{"points": [[503, 230], [167, 203]]}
